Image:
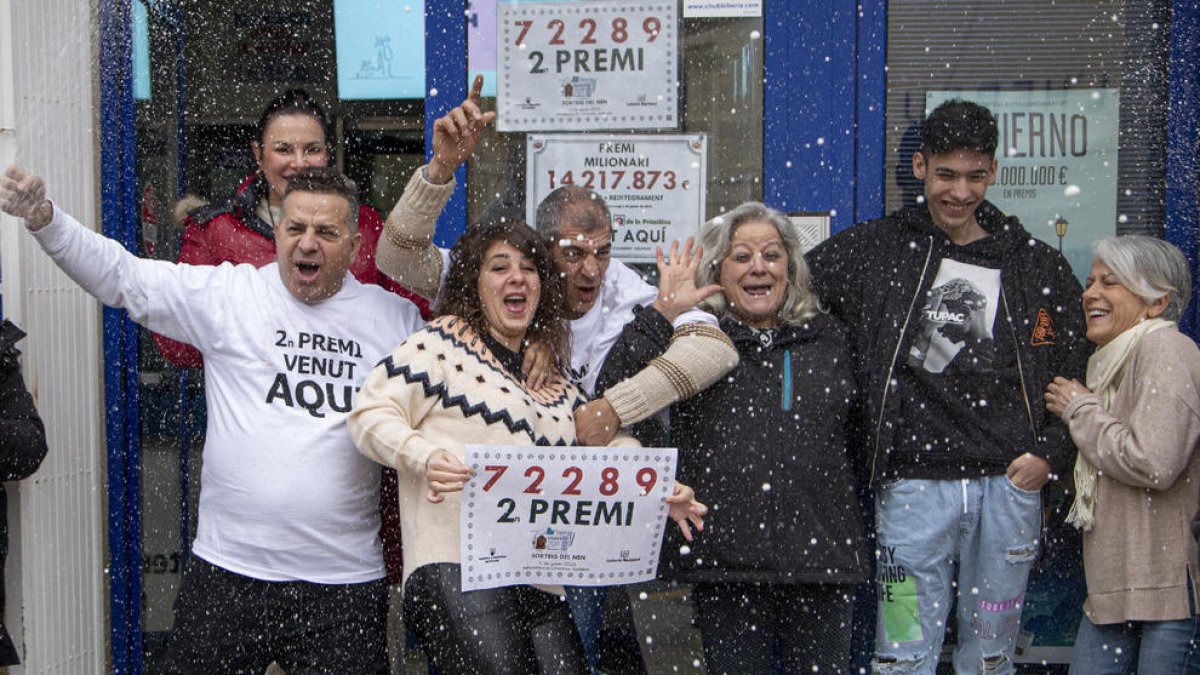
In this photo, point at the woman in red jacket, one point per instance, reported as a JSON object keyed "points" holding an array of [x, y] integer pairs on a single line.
{"points": [[240, 229]]}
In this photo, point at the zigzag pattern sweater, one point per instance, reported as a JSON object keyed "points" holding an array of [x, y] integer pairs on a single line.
{"points": [[443, 388]]}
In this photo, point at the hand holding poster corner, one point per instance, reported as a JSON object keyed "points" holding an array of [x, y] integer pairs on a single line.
{"points": [[573, 516]]}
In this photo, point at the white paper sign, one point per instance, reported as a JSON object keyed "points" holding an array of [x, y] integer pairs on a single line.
{"points": [[572, 516], [721, 8], [573, 66], [654, 186]]}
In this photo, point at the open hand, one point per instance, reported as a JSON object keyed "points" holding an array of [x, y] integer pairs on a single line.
{"points": [[677, 292], [686, 511]]}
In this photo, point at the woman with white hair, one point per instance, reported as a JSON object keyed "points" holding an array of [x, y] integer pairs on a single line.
{"points": [[766, 446], [1137, 428]]}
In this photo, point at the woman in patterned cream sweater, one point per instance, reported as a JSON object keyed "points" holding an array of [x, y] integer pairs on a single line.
{"points": [[457, 381]]}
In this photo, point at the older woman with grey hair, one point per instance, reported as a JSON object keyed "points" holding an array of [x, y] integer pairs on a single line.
{"points": [[767, 447], [1137, 428]]}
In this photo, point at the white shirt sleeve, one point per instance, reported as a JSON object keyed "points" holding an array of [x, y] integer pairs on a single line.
{"points": [[445, 253], [179, 301], [696, 316]]}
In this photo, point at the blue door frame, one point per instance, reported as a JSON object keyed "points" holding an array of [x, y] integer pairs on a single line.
{"points": [[446, 74], [823, 123], [1182, 208], [119, 213], [823, 132]]}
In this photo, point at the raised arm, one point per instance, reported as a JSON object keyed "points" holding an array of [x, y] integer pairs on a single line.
{"points": [[653, 365], [406, 251], [181, 301], [193, 250], [697, 356], [23, 195], [98, 264]]}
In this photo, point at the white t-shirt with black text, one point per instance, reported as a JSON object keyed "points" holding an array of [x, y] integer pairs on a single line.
{"points": [[284, 494]]}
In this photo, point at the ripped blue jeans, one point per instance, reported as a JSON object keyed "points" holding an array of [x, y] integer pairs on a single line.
{"points": [[991, 528]]}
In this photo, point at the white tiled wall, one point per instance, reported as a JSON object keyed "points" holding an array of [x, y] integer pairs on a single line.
{"points": [[57, 592]]}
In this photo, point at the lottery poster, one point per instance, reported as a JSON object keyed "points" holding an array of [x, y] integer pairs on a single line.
{"points": [[582, 66], [573, 516], [654, 185]]}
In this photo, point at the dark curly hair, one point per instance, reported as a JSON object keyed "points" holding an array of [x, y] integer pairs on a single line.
{"points": [[960, 125], [460, 294]]}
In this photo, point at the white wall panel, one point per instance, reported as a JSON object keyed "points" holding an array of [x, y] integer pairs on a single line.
{"points": [[61, 525]]}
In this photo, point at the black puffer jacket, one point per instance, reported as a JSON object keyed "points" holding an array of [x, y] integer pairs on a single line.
{"points": [[22, 448], [765, 449], [873, 277]]}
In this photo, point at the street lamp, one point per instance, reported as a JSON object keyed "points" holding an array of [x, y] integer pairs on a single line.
{"points": [[1060, 228]]}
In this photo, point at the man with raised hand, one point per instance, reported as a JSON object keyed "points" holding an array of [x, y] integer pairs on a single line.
{"points": [[601, 294], [286, 562]]}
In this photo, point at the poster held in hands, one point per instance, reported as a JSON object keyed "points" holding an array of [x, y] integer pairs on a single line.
{"points": [[573, 516]]}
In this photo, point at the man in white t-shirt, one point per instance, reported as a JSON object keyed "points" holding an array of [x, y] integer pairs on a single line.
{"points": [[286, 563]]}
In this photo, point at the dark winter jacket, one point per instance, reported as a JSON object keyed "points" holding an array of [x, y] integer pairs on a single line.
{"points": [[765, 449], [231, 231], [874, 277], [22, 448]]}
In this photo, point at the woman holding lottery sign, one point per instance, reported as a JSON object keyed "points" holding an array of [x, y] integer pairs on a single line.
{"points": [[774, 574], [459, 380]]}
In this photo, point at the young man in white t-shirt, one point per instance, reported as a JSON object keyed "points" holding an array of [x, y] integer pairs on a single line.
{"points": [[287, 565]]}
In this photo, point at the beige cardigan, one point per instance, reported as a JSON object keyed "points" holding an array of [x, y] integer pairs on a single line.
{"points": [[1138, 555]]}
